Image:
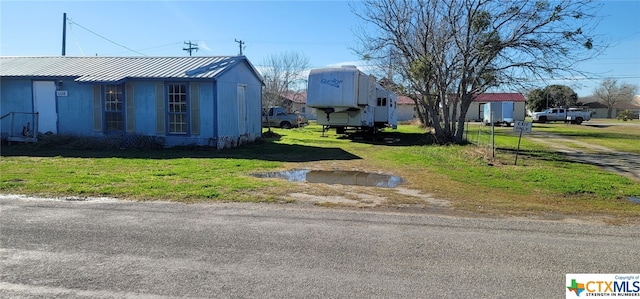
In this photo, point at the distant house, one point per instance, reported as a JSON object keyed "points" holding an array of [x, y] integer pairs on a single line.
{"points": [[406, 109], [476, 113], [296, 102], [599, 110], [212, 101]]}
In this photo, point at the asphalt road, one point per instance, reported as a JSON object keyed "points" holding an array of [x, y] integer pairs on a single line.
{"points": [[116, 249]]}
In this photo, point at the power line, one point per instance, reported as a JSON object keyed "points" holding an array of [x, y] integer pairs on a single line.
{"points": [[150, 48], [75, 39], [98, 35]]}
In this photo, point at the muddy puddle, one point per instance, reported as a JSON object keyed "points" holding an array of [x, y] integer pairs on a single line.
{"points": [[357, 178], [634, 199]]}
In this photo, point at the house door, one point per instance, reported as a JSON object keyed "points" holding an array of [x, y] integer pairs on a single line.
{"points": [[44, 103], [242, 109]]}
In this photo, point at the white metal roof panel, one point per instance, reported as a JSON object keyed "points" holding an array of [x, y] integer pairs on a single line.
{"points": [[113, 69]]}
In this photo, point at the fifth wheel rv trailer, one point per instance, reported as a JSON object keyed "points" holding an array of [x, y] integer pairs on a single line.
{"points": [[346, 98]]}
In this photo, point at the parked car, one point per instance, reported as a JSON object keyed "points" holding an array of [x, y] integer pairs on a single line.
{"points": [[278, 117]]}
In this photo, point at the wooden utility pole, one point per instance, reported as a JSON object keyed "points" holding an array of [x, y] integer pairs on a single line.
{"points": [[64, 34], [191, 47]]}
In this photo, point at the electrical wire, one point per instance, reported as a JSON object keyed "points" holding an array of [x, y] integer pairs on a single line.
{"points": [[150, 48], [75, 39], [98, 35]]}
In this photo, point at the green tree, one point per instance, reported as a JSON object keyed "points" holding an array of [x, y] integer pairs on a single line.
{"points": [[551, 96], [446, 51], [536, 100]]}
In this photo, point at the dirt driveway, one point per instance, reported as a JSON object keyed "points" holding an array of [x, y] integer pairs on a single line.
{"points": [[624, 163]]}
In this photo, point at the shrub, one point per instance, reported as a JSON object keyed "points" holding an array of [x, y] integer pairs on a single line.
{"points": [[627, 115]]}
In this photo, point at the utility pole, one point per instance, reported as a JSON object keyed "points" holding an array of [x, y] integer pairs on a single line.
{"points": [[191, 47], [64, 34], [240, 44]]}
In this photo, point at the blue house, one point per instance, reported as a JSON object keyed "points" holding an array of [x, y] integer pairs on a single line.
{"points": [[209, 101]]}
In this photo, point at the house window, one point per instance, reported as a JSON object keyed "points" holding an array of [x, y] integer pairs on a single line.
{"points": [[177, 109], [113, 112], [382, 102]]}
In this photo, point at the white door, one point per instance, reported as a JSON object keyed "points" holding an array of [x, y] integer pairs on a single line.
{"points": [[242, 109], [44, 103], [393, 111]]}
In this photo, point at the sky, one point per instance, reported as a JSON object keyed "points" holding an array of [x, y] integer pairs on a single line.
{"points": [[321, 30]]}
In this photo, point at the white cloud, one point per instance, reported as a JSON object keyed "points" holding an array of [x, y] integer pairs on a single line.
{"points": [[203, 45]]}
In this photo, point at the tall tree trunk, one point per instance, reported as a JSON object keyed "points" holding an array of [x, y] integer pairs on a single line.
{"points": [[464, 106], [421, 111]]}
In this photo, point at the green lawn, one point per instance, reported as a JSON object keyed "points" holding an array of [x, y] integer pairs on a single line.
{"points": [[542, 182], [615, 134]]}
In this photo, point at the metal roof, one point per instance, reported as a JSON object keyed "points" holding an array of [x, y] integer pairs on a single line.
{"points": [[115, 69], [499, 97], [405, 100]]}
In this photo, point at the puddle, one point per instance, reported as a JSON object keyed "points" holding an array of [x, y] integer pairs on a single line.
{"points": [[357, 178], [634, 199]]}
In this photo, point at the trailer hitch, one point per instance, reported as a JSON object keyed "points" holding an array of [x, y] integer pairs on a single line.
{"points": [[328, 111]]}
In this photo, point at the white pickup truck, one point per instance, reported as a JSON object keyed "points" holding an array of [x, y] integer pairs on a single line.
{"points": [[572, 115]]}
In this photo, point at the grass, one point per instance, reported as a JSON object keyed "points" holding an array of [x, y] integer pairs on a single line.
{"points": [[181, 179], [615, 134], [543, 183]]}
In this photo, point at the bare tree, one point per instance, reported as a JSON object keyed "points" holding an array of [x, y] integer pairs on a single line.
{"points": [[282, 73], [611, 93], [447, 51]]}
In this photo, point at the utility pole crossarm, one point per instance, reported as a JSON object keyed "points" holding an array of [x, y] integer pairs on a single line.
{"points": [[191, 47]]}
